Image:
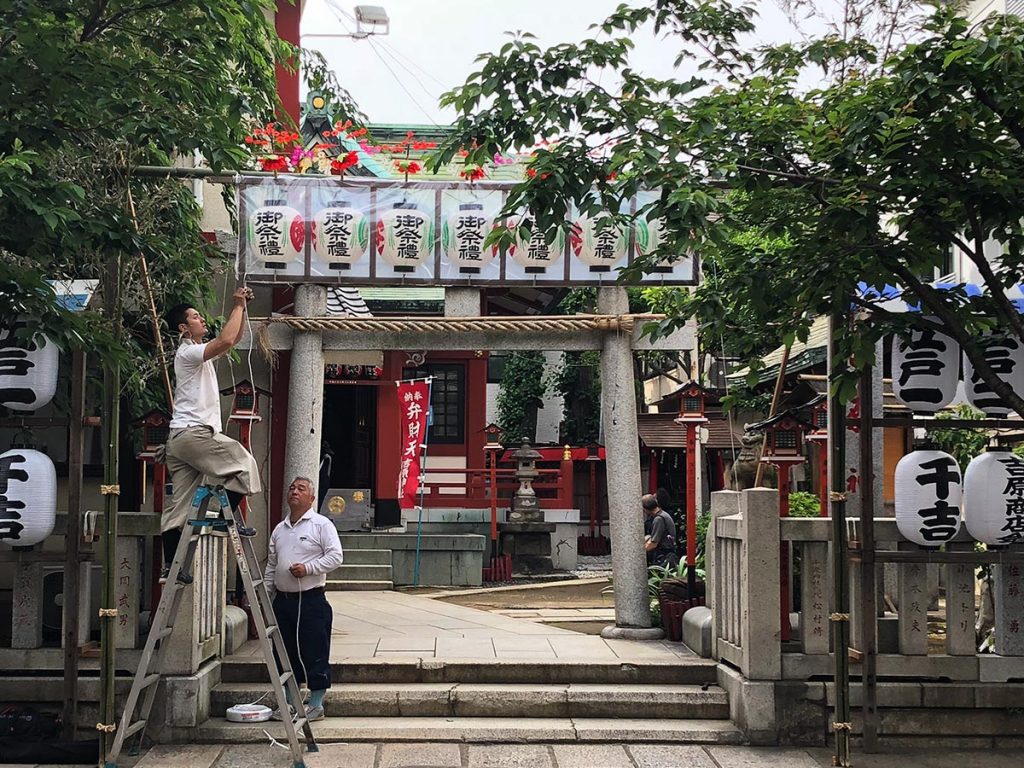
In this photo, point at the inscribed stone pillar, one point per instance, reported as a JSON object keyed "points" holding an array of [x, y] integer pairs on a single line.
{"points": [[27, 611], [127, 585], [618, 416], [760, 630], [1009, 598], [306, 389]]}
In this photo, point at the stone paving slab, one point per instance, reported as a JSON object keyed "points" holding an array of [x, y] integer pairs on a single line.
{"points": [[336, 755], [181, 756], [419, 755], [590, 755], [668, 756], [752, 757], [511, 756]]}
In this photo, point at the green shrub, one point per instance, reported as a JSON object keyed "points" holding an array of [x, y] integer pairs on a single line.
{"points": [[803, 504]]}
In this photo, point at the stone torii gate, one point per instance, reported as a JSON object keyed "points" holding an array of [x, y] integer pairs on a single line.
{"points": [[613, 331]]}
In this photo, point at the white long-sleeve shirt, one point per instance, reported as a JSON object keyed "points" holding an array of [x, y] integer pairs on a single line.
{"points": [[312, 541]]}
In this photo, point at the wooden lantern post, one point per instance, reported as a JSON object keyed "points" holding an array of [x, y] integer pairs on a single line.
{"points": [[691, 416]]}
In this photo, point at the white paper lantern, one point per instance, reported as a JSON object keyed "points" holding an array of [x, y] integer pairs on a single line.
{"points": [[28, 497], [600, 244], [277, 234], [1005, 355], [463, 236], [925, 370], [535, 254], [649, 237], [405, 237], [28, 370], [994, 497], [928, 495], [340, 235]]}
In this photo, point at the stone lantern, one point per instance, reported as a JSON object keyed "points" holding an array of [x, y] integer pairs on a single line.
{"points": [[525, 508], [526, 537]]}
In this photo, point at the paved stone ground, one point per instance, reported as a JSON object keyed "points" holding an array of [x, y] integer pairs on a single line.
{"points": [[397, 625], [429, 755]]}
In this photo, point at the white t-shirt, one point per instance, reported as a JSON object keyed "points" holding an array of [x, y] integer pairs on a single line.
{"points": [[196, 397]]}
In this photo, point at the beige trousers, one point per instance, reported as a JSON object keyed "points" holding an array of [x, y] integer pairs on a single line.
{"points": [[197, 452]]}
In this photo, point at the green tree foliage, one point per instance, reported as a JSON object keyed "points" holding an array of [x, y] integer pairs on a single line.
{"points": [[89, 90], [874, 176], [962, 444], [520, 394]]}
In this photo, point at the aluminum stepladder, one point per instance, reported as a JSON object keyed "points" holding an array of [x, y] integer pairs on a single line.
{"points": [[263, 617]]}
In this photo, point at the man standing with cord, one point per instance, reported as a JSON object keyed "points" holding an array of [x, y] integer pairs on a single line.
{"points": [[304, 548], [196, 446]]}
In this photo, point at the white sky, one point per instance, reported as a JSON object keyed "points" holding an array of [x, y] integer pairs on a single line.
{"points": [[433, 43]]}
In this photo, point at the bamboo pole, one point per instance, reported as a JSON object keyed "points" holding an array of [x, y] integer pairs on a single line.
{"points": [[868, 594], [840, 618], [111, 492], [153, 318], [776, 397]]}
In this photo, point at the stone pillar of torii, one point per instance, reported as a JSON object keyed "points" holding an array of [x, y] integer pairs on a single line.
{"points": [[615, 333]]}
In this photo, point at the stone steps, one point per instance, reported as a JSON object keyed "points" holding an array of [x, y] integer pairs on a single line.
{"points": [[483, 729], [360, 572], [393, 670], [464, 700], [354, 556], [359, 585]]}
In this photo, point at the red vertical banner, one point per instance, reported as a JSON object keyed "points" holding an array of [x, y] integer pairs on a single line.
{"points": [[414, 404]]}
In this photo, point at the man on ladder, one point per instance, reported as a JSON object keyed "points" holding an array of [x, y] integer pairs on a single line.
{"points": [[197, 447]]}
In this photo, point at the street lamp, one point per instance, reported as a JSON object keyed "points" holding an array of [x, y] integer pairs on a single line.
{"points": [[371, 20], [492, 448]]}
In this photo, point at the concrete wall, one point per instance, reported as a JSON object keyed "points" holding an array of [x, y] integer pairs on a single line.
{"points": [[444, 560]]}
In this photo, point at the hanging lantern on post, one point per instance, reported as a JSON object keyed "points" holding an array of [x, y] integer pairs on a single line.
{"points": [[535, 254], [1005, 355], [276, 234], [925, 370], [994, 497], [928, 495], [28, 370], [463, 236], [28, 497], [405, 237], [600, 244], [340, 235]]}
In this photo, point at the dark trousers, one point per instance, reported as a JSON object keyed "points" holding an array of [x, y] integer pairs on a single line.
{"points": [[314, 636]]}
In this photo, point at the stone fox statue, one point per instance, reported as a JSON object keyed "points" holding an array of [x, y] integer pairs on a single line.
{"points": [[744, 468]]}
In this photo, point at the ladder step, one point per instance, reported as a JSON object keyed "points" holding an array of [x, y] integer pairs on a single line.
{"points": [[286, 677], [258, 583], [134, 728], [271, 630], [164, 633], [148, 680]]}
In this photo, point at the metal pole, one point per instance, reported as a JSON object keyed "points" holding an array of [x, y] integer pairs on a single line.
{"points": [[110, 490], [840, 619], [869, 607], [72, 545]]}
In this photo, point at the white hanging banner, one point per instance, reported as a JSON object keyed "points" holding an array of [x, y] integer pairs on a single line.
{"points": [[928, 496], [318, 229]]}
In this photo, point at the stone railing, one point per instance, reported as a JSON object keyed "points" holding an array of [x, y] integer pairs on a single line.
{"points": [[746, 543]]}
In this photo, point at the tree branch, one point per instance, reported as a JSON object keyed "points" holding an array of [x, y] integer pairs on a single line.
{"points": [[98, 27], [995, 288], [986, 98]]}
